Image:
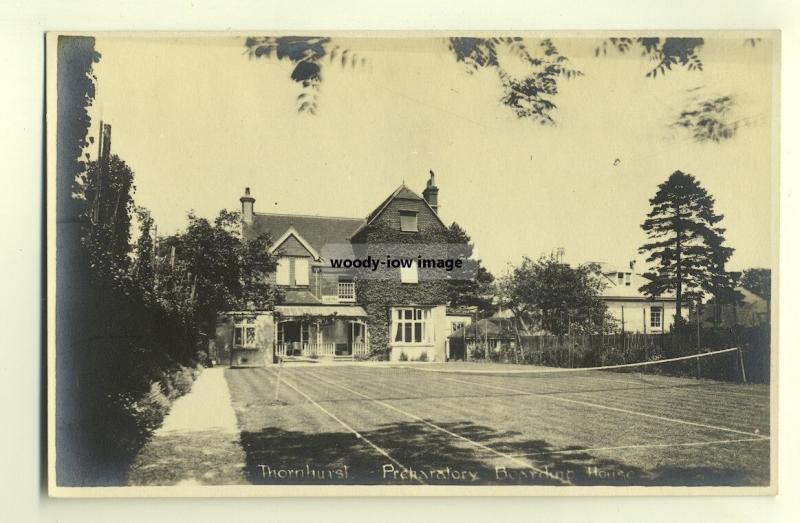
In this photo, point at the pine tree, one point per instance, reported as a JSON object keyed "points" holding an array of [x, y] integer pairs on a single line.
{"points": [[686, 248]]}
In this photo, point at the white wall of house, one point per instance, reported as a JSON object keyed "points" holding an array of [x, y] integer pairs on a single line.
{"points": [[643, 316], [432, 344]]}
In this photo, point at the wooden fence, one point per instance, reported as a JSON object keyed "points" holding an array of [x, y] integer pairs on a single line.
{"points": [[593, 350]]}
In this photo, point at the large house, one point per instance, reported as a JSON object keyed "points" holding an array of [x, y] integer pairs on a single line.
{"points": [[335, 314], [633, 310]]}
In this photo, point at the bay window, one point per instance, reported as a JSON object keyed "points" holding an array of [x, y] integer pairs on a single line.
{"points": [[412, 325]]}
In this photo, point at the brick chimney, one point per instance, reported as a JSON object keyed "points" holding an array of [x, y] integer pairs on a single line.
{"points": [[431, 193], [247, 206]]}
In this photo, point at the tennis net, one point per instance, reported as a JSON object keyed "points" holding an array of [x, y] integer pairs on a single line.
{"points": [[725, 364]]}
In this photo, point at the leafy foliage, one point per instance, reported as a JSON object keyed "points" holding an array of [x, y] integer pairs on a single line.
{"points": [[308, 54], [665, 52], [530, 96], [708, 120], [108, 193], [127, 339], [549, 295], [143, 270], [758, 281], [686, 247], [384, 290], [210, 269], [478, 291]]}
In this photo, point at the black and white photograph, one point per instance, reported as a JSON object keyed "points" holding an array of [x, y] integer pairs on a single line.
{"points": [[410, 264]]}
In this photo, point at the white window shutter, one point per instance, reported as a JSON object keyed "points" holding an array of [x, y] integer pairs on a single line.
{"points": [[301, 271], [282, 272]]}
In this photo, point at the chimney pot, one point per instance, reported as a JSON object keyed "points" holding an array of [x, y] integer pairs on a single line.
{"points": [[431, 193], [248, 202]]}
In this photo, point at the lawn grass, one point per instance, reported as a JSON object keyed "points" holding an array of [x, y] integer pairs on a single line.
{"points": [[609, 429]]}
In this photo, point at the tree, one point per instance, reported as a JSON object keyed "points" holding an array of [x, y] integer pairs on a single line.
{"points": [[709, 119], [686, 247], [308, 54], [666, 52], [530, 96], [108, 189], [475, 286], [550, 295], [758, 281], [143, 272], [212, 269]]}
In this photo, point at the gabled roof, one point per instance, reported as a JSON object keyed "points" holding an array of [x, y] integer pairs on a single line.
{"points": [[292, 232], [613, 290], [314, 231], [401, 192]]}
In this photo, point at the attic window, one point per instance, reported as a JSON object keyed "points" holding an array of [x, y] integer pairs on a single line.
{"points": [[627, 279], [408, 221]]}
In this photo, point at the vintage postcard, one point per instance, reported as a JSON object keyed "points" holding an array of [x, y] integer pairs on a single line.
{"points": [[288, 264]]}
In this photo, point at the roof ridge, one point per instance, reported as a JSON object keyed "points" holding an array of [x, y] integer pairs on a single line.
{"points": [[290, 215]]}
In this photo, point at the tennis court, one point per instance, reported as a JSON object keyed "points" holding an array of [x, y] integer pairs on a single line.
{"points": [[483, 423]]}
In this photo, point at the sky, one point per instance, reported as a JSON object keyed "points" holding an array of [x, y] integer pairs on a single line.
{"points": [[198, 121]]}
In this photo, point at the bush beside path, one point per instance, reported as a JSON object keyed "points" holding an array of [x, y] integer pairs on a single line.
{"points": [[198, 443]]}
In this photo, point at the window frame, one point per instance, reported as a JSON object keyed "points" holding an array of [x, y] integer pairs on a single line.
{"points": [[243, 326], [660, 312], [405, 326], [404, 213], [346, 296], [290, 267]]}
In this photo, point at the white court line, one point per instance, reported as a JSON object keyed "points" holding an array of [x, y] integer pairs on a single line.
{"points": [[606, 407], [351, 429], [646, 446], [450, 433], [550, 370]]}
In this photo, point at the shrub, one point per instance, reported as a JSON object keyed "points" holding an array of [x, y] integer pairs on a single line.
{"points": [[403, 357], [149, 411], [183, 379], [423, 357]]}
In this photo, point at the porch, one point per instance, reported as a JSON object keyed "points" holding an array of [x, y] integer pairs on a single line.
{"points": [[330, 332]]}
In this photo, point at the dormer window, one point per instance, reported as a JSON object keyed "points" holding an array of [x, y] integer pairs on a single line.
{"points": [[627, 279], [292, 271], [408, 221]]}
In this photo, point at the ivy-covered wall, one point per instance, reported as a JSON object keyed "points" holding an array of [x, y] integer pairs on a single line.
{"points": [[382, 289]]}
